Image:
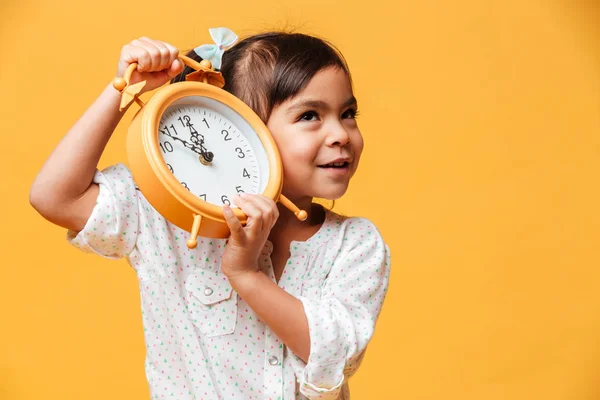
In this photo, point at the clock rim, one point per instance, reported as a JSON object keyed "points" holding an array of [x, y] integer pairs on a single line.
{"points": [[154, 109]]}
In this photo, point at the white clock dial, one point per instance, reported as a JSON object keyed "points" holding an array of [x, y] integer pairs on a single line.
{"points": [[211, 150]]}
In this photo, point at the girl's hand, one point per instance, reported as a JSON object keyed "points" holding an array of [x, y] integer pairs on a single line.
{"points": [[157, 62], [246, 242]]}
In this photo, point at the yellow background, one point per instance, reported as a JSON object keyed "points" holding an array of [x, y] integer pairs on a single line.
{"points": [[481, 168]]}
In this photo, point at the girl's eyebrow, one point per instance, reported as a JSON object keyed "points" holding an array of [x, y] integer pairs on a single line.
{"points": [[317, 104]]}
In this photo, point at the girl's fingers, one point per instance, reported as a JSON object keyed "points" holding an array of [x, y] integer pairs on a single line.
{"points": [[151, 56], [176, 68], [153, 53], [173, 51], [156, 61], [156, 56], [159, 52], [132, 53], [269, 210], [175, 63], [252, 211], [237, 231]]}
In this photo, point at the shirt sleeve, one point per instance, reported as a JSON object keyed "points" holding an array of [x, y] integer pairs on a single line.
{"points": [[341, 323], [112, 229]]}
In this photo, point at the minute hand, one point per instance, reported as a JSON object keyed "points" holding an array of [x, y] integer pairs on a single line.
{"points": [[190, 146]]}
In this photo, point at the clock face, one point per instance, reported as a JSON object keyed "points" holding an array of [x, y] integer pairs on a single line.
{"points": [[211, 150]]}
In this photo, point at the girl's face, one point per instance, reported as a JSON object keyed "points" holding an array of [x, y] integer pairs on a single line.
{"points": [[318, 138]]}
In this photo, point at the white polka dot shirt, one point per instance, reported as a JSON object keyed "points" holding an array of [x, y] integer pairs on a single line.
{"points": [[202, 340]]}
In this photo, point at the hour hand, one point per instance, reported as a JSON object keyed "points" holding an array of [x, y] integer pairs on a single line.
{"points": [[207, 156]]}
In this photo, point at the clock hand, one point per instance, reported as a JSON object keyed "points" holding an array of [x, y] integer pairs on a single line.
{"points": [[190, 146], [207, 156]]}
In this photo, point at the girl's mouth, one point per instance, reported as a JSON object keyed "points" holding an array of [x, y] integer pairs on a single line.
{"points": [[343, 164]]}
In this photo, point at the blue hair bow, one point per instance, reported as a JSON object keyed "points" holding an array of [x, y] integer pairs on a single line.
{"points": [[224, 39]]}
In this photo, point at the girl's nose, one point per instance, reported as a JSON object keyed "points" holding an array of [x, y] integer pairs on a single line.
{"points": [[337, 135]]}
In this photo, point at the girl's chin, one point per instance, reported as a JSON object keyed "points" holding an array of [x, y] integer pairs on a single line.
{"points": [[333, 194], [326, 191]]}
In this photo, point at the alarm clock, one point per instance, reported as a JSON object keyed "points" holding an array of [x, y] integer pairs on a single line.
{"points": [[193, 146]]}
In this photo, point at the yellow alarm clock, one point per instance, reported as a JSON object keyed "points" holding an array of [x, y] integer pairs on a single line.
{"points": [[193, 146]]}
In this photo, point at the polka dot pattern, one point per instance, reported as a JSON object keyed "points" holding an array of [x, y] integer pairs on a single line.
{"points": [[202, 340]]}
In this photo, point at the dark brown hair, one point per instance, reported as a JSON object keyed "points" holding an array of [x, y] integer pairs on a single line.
{"points": [[266, 69]]}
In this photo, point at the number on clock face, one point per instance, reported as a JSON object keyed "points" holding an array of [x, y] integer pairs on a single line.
{"points": [[208, 154]]}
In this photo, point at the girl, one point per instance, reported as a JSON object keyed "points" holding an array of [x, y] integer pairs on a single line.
{"points": [[283, 309]]}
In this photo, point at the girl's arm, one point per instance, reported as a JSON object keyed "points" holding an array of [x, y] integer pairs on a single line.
{"points": [[281, 311], [63, 191], [330, 332]]}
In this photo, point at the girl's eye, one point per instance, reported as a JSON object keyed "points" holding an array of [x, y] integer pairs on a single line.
{"points": [[350, 114], [308, 116]]}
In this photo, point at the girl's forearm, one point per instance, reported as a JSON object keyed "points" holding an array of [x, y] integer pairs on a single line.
{"points": [[68, 172], [281, 311]]}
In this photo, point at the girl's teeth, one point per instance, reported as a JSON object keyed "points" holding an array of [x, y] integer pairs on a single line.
{"points": [[336, 164]]}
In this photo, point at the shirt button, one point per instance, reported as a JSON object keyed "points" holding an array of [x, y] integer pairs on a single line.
{"points": [[208, 291], [273, 360]]}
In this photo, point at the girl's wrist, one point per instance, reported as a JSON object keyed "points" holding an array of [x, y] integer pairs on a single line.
{"points": [[113, 97], [241, 282]]}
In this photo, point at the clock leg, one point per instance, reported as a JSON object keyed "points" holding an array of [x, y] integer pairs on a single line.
{"points": [[192, 242], [300, 214]]}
